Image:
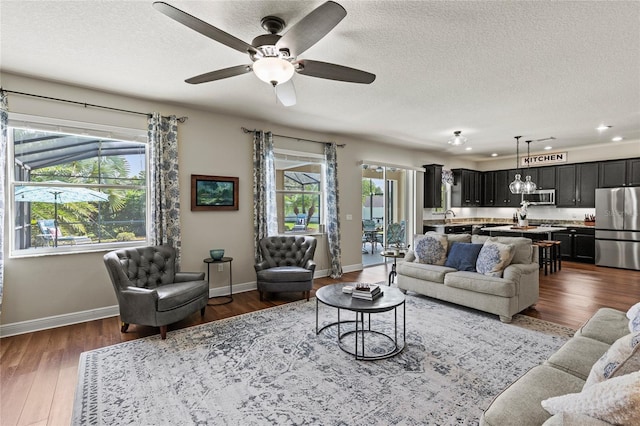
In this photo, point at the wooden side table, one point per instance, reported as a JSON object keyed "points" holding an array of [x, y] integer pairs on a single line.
{"points": [[395, 257], [229, 297]]}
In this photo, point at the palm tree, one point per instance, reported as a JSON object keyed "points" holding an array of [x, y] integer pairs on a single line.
{"points": [[76, 218]]}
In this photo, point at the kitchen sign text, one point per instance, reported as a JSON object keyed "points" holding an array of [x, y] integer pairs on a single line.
{"points": [[550, 158]]}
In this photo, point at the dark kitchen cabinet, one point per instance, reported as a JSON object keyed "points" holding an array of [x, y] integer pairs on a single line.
{"points": [[504, 197], [577, 244], [576, 185], [566, 186], [633, 172], [587, 180], [466, 190], [449, 229], [546, 177], [432, 185], [617, 173], [488, 187]]}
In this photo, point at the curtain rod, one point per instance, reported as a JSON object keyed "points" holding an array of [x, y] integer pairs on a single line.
{"points": [[340, 145], [84, 104]]}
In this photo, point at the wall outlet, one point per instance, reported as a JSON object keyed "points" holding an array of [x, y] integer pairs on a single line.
{"points": [[220, 267]]}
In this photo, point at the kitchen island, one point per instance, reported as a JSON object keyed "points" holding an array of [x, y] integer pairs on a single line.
{"points": [[528, 232]]}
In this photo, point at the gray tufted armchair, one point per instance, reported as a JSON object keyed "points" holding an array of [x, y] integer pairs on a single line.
{"points": [[150, 291], [287, 264]]}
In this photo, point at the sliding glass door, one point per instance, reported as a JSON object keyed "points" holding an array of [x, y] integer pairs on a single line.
{"points": [[386, 200]]}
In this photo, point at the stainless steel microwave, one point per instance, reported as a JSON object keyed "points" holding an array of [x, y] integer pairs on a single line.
{"points": [[541, 197]]}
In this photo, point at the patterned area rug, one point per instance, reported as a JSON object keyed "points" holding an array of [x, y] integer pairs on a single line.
{"points": [[270, 368]]}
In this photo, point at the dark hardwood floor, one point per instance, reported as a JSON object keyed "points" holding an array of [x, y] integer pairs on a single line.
{"points": [[39, 370]]}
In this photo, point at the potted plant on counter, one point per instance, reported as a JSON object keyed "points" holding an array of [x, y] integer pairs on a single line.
{"points": [[522, 215]]}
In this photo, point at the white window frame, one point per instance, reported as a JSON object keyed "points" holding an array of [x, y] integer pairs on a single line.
{"points": [[17, 120], [308, 157]]}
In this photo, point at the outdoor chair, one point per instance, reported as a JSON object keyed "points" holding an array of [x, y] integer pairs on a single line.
{"points": [[396, 234], [287, 265], [150, 291], [48, 237], [371, 234]]}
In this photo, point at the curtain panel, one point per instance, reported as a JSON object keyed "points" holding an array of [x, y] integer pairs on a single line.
{"points": [[164, 185], [333, 210], [4, 119], [265, 219]]}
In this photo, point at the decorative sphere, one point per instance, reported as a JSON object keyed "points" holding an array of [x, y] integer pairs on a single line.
{"points": [[216, 254]]}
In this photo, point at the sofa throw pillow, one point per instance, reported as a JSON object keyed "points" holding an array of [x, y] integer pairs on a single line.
{"points": [[463, 256], [623, 357], [431, 248], [616, 401], [494, 257], [634, 318]]}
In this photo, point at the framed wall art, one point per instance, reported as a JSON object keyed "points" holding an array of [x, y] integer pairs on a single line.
{"points": [[214, 193]]}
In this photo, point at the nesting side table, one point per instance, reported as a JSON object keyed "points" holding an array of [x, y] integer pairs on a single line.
{"points": [[229, 297]]}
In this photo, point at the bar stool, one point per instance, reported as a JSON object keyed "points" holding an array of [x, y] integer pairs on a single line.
{"points": [[545, 255], [555, 254]]}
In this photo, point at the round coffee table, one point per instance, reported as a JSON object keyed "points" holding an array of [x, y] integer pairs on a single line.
{"points": [[391, 300]]}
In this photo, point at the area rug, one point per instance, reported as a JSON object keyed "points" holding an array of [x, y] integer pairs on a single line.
{"points": [[270, 368]]}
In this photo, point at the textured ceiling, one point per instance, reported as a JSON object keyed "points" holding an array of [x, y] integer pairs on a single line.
{"points": [[490, 69]]}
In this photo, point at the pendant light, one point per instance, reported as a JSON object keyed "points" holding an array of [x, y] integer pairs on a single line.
{"points": [[457, 139], [529, 185], [517, 185]]}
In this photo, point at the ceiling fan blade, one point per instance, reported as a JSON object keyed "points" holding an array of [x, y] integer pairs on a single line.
{"points": [[219, 74], [334, 72], [286, 93], [203, 27], [310, 29]]}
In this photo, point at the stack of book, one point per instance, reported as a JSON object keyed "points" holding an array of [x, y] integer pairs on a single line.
{"points": [[366, 291]]}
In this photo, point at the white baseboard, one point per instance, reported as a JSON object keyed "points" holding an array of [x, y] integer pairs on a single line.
{"points": [[45, 323]]}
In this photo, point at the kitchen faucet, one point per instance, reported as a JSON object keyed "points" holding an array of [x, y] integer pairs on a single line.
{"points": [[449, 211]]}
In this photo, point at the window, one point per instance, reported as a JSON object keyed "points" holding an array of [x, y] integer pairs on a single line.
{"points": [[76, 190], [299, 192]]}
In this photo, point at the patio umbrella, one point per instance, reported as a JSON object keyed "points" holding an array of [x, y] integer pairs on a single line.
{"points": [[55, 195]]}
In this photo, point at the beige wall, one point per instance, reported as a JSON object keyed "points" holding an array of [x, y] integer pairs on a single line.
{"points": [[209, 144], [37, 288]]}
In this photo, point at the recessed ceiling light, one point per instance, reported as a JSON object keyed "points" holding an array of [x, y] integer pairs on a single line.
{"points": [[617, 139], [603, 127], [468, 148], [548, 148], [495, 154]]}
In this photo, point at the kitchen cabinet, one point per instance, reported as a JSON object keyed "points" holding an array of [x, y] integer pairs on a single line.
{"points": [[432, 185], [546, 177], [578, 244], [617, 173], [449, 229], [566, 186], [576, 185], [466, 190], [488, 189], [504, 197]]}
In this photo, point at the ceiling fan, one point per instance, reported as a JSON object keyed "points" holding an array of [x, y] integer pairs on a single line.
{"points": [[274, 56]]}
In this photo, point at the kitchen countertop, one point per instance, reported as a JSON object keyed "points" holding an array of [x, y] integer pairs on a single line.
{"points": [[502, 221], [536, 230]]}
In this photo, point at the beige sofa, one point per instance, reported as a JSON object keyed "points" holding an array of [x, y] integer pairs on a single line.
{"points": [[564, 372], [515, 291]]}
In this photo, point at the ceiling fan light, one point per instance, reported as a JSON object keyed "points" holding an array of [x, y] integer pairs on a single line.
{"points": [[457, 139], [273, 70]]}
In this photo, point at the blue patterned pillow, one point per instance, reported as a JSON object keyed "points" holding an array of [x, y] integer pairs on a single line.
{"points": [[463, 256], [623, 357], [431, 248], [494, 257], [634, 317]]}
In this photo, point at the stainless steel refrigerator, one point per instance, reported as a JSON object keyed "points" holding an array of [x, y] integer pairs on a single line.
{"points": [[618, 228]]}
